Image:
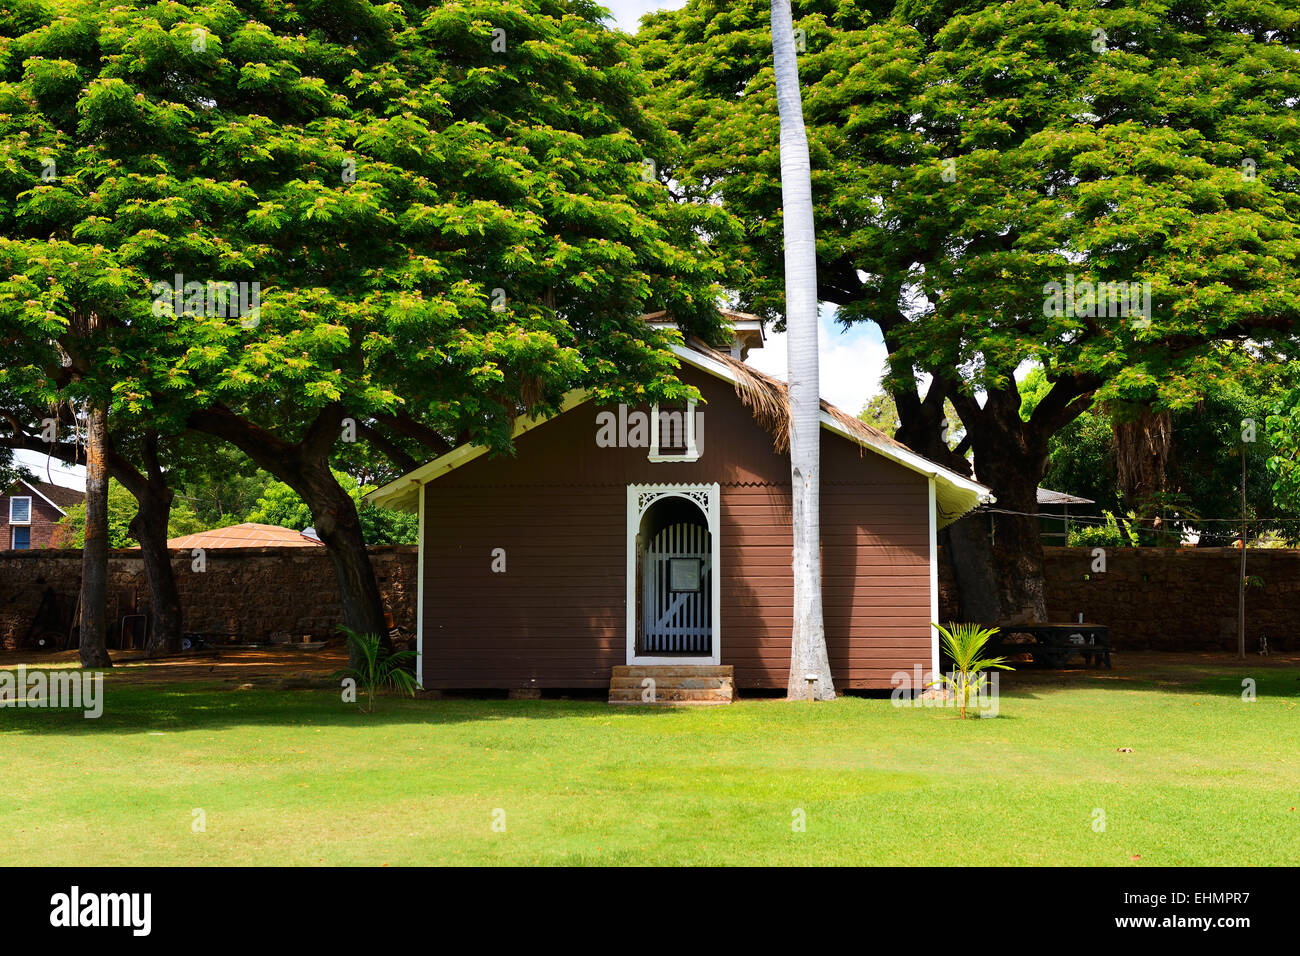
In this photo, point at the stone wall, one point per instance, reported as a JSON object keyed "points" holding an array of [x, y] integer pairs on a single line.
{"points": [[255, 593], [1170, 598], [1152, 598]]}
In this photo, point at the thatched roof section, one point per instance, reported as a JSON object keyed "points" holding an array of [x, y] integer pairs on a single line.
{"points": [[768, 399]]}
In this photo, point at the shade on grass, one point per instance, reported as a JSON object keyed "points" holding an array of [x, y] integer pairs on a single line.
{"points": [[298, 777]]}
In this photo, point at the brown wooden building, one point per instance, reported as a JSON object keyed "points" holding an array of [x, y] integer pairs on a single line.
{"points": [[653, 536]]}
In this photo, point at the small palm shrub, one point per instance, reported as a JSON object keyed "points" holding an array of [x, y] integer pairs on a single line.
{"points": [[964, 645], [376, 668]]}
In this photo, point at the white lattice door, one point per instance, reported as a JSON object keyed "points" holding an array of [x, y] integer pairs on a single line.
{"points": [[677, 584]]}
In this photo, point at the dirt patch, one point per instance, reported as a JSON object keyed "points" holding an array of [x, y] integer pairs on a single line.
{"points": [[287, 667], [1178, 667], [259, 666]]}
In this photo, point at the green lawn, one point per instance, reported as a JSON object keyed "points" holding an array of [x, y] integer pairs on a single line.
{"points": [[297, 777]]}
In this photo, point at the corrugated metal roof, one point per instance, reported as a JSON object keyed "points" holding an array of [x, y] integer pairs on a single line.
{"points": [[247, 535], [1046, 496]]}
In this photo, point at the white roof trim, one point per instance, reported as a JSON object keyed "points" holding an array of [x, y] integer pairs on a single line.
{"points": [[962, 493], [37, 492], [392, 495], [903, 456]]}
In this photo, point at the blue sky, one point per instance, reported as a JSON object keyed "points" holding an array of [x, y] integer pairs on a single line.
{"points": [[851, 364]]}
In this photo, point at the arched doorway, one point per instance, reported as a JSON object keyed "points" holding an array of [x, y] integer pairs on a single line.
{"points": [[672, 592]]}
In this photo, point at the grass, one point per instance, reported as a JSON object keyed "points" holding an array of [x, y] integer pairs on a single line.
{"points": [[298, 777]]}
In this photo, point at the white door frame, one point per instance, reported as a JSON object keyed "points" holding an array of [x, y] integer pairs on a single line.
{"points": [[706, 497]]}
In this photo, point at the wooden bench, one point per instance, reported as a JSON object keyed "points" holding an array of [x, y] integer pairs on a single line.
{"points": [[1052, 644]]}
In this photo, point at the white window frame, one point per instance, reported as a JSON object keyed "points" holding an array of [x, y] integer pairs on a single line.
{"points": [[706, 497], [13, 537], [12, 519], [933, 504], [692, 452], [419, 593]]}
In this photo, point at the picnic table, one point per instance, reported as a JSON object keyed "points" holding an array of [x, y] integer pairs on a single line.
{"points": [[1053, 643]]}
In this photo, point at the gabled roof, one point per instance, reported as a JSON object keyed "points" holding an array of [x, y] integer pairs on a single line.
{"points": [[955, 494], [247, 535], [56, 496], [746, 329]]}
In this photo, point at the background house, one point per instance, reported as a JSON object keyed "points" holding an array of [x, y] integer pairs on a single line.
{"points": [[29, 511]]}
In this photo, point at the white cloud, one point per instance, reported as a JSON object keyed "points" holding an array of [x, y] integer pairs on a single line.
{"points": [[852, 362], [628, 13]]}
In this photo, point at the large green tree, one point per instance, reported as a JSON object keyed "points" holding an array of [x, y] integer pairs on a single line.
{"points": [[1197, 487], [451, 214], [968, 154]]}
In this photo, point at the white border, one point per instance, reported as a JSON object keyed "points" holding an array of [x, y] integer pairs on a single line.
{"points": [[20, 524], [713, 516], [692, 452], [934, 582], [419, 599]]}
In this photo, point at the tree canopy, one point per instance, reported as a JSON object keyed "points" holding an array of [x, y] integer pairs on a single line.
{"points": [[290, 225], [1106, 192]]}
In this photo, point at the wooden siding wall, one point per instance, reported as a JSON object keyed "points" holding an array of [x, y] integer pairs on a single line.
{"points": [[556, 616]]}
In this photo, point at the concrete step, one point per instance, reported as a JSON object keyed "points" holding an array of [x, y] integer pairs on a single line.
{"points": [[669, 703], [671, 694], [673, 670], [673, 684], [710, 683]]}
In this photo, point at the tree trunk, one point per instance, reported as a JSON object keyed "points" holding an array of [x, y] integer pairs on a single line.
{"points": [[94, 555], [1143, 443], [971, 558], [149, 527], [808, 656], [1016, 549], [304, 467], [339, 527]]}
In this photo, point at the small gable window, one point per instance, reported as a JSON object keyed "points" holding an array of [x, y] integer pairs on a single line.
{"points": [[20, 510], [674, 433]]}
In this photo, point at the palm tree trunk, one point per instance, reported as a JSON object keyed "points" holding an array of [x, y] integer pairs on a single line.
{"points": [[808, 641]]}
